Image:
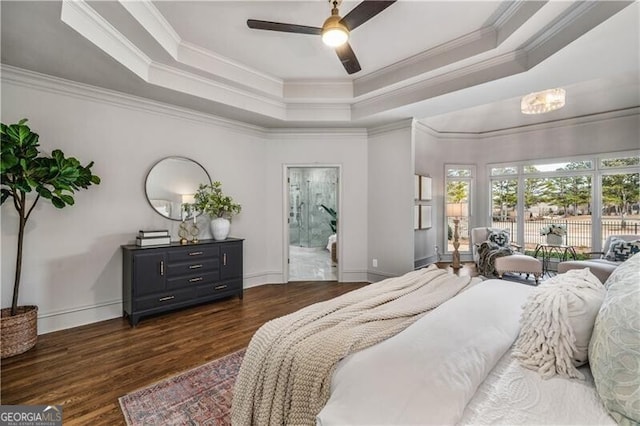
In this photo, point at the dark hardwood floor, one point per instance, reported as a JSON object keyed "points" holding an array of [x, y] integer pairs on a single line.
{"points": [[86, 369]]}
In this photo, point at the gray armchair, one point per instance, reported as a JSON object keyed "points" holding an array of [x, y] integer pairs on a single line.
{"points": [[516, 262], [599, 266]]}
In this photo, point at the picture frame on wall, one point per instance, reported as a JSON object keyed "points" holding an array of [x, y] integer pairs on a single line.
{"points": [[416, 187], [425, 217], [425, 188], [416, 217]]}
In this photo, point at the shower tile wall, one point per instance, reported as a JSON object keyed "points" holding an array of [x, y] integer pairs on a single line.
{"points": [[309, 189]]}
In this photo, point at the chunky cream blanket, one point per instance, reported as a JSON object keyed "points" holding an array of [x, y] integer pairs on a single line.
{"points": [[285, 377]]}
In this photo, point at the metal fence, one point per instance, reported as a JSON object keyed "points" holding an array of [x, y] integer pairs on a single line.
{"points": [[578, 231]]}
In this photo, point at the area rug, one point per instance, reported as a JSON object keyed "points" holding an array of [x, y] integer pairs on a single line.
{"points": [[201, 396]]}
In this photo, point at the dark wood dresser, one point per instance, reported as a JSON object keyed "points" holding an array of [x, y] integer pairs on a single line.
{"points": [[162, 278]]}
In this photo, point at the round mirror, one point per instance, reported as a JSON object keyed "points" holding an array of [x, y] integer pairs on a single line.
{"points": [[173, 181]]}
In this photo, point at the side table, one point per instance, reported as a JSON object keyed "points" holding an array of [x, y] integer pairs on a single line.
{"points": [[547, 251]]}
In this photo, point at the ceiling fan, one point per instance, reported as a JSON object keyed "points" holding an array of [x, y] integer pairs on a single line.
{"points": [[335, 30]]}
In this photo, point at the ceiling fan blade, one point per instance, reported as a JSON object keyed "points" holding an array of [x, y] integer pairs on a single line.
{"points": [[348, 58], [287, 28], [364, 11]]}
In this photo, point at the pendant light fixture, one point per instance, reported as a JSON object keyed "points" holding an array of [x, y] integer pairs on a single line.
{"points": [[541, 102]]}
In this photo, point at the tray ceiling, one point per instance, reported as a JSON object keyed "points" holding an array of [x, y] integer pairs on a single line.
{"points": [[435, 61]]}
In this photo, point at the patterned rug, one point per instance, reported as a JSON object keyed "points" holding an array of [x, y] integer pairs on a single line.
{"points": [[201, 396]]}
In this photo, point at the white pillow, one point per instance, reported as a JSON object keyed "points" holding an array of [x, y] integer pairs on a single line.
{"points": [[557, 322]]}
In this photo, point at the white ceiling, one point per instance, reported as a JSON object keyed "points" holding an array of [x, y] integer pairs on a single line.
{"points": [[459, 67]]}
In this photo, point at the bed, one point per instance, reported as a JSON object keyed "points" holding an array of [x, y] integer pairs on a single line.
{"points": [[451, 365]]}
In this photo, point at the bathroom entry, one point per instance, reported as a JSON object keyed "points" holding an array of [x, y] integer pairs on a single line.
{"points": [[313, 223]]}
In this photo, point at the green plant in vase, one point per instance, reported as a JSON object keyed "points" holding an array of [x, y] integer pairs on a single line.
{"points": [[26, 172], [210, 200]]}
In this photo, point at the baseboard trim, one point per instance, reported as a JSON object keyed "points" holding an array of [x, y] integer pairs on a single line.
{"points": [[354, 276], [75, 317]]}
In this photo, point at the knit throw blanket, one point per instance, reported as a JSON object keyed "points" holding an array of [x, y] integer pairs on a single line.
{"points": [[285, 376], [488, 252]]}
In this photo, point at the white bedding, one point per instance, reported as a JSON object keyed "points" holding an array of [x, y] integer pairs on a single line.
{"points": [[430, 372], [513, 395]]}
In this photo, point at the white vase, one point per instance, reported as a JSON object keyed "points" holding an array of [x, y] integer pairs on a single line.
{"points": [[220, 228], [554, 240]]}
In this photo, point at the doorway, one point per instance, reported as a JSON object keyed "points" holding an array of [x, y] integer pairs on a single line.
{"points": [[312, 219]]}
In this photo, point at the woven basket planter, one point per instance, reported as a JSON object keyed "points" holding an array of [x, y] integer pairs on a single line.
{"points": [[20, 331]]}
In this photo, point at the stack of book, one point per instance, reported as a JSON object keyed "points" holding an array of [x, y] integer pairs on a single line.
{"points": [[153, 238]]}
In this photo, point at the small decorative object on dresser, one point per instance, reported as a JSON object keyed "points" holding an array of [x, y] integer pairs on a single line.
{"points": [[153, 238], [219, 207], [159, 279]]}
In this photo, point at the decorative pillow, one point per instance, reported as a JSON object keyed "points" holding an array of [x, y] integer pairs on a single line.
{"points": [[500, 238], [620, 250], [557, 322], [614, 351]]}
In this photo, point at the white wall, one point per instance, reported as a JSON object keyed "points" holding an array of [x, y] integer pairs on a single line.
{"points": [[72, 266], [347, 149], [604, 134], [72, 260], [390, 178]]}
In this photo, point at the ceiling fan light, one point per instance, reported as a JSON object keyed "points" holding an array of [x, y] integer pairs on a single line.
{"points": [[334, 33], [541, 102]]}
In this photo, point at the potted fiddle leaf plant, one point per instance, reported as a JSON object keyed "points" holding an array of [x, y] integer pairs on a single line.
{"points": [[29, 176], [211, 201]]}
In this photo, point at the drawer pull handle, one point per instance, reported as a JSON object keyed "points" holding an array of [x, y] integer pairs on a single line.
{"points": [[195, 253], [164, 299], [224, 259], [195, 280], [162, 268], [220, 287], [195, 266]]}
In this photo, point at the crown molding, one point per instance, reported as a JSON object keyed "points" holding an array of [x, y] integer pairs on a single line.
{"points": [[500, 66], [193, 84], [314, 90], [91, 25], [156, 25], [150, 18], [565, 122], [577, 20], [34, 80], [252, 79], [444, 54], [319, 133], [403, 124]]}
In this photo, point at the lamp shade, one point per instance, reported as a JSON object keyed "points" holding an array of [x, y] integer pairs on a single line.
{"points": [[457, 210]]}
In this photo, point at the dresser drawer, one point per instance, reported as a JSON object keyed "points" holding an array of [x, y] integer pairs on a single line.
{"points": [[192, 280], [217, 288], [194, 267], [193, 254], [163, 299]]}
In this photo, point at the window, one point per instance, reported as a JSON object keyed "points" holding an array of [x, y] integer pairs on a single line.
{"points": [[458, 189], [563, 192]]}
